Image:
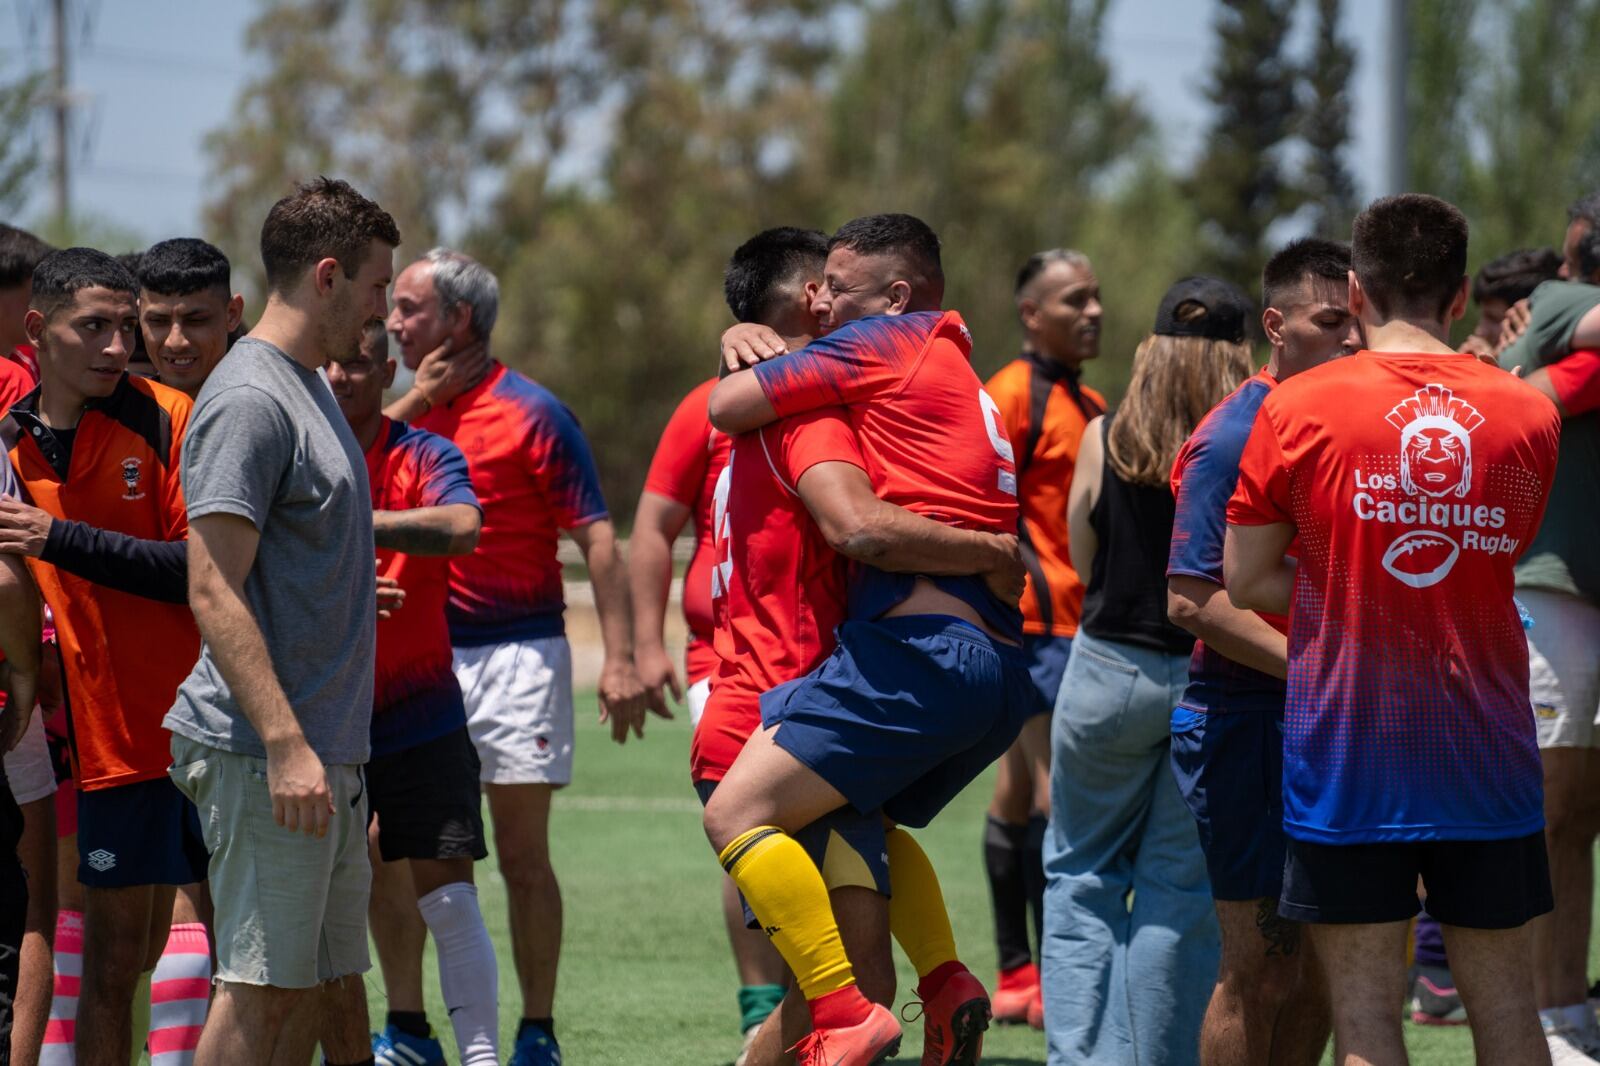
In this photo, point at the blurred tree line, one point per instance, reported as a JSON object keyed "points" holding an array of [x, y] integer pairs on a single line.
{"points": [[605, 156]]}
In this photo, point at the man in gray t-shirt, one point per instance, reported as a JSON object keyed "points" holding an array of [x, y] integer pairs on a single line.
{"points": [[271, 727]]}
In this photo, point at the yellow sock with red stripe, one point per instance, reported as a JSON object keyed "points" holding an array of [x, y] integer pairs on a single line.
{"points": [[917, 916], [789, 899]]}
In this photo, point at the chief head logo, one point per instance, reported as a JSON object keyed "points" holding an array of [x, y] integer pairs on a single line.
{"points": [[132, 474], [1435, 442]]}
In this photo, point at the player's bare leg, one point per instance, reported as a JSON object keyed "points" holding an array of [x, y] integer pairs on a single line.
{"points": [[521, 815], [245, 1024], [124, 932], [1365, 968], [767, 786], [1493, 972], [398, 932], [1560, 939], [1270, 1003], [36, 979]]}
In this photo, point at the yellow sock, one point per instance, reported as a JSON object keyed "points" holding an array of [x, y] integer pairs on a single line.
{"points": [[786, 893], [917, 918]]}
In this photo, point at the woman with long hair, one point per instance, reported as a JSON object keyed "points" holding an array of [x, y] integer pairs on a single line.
{"points": [[1130, 938]]}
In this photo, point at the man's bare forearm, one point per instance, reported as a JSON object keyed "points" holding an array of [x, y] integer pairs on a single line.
{"points": [[449, 530], [1204, 609], [892, 538], [229, 628], [612, 603], [650, 582]]}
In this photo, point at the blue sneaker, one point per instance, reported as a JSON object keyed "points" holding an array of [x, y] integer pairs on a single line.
{"points": [[394, 1048], [536, 1048]]}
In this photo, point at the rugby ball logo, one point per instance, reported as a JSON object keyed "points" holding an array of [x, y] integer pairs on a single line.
{"points": [[1421, 557]]}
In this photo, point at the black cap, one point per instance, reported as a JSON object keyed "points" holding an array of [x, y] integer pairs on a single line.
{"points": [[1227, 310]]}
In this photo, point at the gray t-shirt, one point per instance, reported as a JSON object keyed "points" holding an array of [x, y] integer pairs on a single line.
{"points": [[267, 442]]}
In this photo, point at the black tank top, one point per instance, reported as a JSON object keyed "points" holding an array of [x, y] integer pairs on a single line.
{"points": [[1127, 595]]}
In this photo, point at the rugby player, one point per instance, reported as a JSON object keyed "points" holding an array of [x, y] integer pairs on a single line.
{"points": [[1269, 1004], [1045, 407], [187, 310], [927, 685], [1412, 495], [535, 477], [97, 451], [20, 252], [423, 777]]}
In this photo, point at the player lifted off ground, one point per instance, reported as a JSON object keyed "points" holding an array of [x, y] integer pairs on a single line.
{"points": [[1269, 1004], [928, 685], [535, 478], [98, 451], [1413, 494], [273, 724], [1045, 406], [423, 775]]}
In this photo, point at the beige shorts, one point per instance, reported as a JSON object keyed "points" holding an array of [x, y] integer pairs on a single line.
{"points": [[1563, 668], [519, 709], [291, 909]]}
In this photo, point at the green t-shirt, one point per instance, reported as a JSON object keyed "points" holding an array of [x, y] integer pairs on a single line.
{"points": [[1565, 554]]}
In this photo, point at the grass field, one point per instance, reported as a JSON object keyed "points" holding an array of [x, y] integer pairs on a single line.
{"points": [[646, 975]]}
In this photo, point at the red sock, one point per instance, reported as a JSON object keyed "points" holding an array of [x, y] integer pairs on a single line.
{"points": [[839, 1010], [929, 986]]}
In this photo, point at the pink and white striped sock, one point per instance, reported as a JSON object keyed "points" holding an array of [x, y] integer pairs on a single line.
{"points": [[58, 1031], [180, 992]]}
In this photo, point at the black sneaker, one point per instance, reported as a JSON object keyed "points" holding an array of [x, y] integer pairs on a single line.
{"points": [[1434, 999]]}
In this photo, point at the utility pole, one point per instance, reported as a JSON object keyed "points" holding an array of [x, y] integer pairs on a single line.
{"points": [[1399, 50], [62, 105]]}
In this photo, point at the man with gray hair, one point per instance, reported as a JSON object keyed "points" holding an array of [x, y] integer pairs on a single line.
{"points": [[534, 477], [1045, 407]]}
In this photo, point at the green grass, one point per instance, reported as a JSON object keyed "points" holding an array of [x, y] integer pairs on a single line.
{"points": [[646, 974]]}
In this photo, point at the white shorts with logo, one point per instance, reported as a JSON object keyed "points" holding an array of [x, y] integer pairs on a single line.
{"points": [[698, 694], [1563, 668], [519, 709], [28, 768]]}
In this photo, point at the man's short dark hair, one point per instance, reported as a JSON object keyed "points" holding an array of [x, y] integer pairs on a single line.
{"points": [[905, 236], [1515, 275], [1298, 261], [1410, 253], [61, 275], [764, 262], [321, 219], [1587, 210], [184, 265], [20, 252]]}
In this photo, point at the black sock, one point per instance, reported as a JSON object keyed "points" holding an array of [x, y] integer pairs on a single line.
{"points": [[547, 1025], [1003, 845], [411, 1022], [1033, 875]]}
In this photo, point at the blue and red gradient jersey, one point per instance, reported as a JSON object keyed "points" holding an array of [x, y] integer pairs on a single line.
{"points": [[535, 476], [1413, 492], [416, 697], [933, 439], [1203, 478]]}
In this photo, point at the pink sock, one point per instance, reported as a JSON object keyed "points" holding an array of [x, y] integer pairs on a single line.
{"points": [[180, 992], [58, 1032]]}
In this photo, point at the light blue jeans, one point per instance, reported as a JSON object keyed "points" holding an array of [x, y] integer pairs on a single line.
{"points": [[1130, 934]]}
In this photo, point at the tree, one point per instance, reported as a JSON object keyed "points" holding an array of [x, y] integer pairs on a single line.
{"points": [[1325, 125], [19, 155], [1239, 186]]}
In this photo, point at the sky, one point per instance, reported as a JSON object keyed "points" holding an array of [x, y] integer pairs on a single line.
{"points": [[134, 60]]}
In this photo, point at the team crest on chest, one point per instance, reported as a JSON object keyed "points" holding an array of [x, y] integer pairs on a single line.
{"points": [[133, 478]]}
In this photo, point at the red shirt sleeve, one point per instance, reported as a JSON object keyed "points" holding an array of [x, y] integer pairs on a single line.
{"points": [[822, 436], [15, 383], [1262, 494], [855, 362], [678, 469], [1576, 379]]}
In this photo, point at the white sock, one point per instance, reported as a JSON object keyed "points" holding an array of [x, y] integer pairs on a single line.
{"points": [[468, 976]]}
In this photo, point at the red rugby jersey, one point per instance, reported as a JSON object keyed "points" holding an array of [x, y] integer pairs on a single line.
{"points": [[778, 589], [685, 468]]}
